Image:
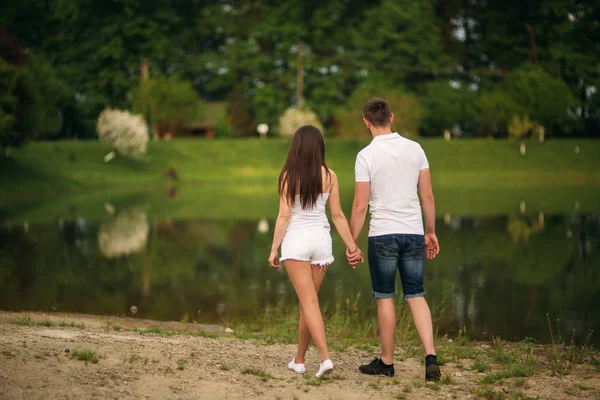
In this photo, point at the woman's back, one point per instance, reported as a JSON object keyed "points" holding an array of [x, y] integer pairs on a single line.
{"points": [[304, 218]]}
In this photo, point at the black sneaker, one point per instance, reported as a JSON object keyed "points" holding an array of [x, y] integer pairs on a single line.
{"points": [[377, 367], [432, 369]]}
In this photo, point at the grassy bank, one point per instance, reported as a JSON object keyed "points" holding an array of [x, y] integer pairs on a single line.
{"points": [[49, 180], [76, 166]]}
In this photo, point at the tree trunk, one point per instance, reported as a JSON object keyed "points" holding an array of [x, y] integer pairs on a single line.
{"points": [[300, 77], [533, 55]]}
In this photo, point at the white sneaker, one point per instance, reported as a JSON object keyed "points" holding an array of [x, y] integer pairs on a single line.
{"points": [[297, 368], [325, 369]]}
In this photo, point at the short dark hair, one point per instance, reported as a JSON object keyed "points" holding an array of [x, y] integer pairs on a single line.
{"points": [[377, 111]]}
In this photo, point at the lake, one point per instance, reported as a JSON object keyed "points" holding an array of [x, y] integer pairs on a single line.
{"points": [[498, 274]]}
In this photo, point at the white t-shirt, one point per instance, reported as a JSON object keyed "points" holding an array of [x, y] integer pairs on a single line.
{"points": [[392, 164]]}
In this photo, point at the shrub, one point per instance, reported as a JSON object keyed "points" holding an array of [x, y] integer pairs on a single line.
{"points": [[125, 132], [292, 119]]}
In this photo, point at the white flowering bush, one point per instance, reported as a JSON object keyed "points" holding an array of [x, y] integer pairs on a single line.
{"points": [[292, 119], [124, 235], [126, 133]]}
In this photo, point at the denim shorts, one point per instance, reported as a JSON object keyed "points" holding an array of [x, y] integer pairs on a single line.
{"points": [[405, 253]]}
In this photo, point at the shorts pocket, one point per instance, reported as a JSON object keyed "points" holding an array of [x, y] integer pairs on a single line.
{"points": [[418, 247]]}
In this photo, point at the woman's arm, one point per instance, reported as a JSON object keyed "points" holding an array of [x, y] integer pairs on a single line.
{"points": [[283, 220], [339, 219]]}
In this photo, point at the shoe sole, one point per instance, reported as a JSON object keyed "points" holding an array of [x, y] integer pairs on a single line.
{"points": [[325, 373], [433, 373], [298, 372], [379, 374]]}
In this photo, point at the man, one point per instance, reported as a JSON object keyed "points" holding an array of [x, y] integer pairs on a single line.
{"points": [[391, 173]]}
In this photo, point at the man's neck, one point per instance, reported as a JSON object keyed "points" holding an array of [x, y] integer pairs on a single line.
{"points": [[380, 130]]}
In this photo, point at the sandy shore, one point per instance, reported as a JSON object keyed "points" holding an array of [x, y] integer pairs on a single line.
{"points": [[37, 362]]}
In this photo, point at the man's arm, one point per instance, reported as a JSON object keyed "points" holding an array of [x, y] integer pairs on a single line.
{"points": [[428, 205], [359, 208]]}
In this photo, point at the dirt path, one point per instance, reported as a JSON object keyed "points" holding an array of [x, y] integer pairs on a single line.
{"points": [[34, 364]]}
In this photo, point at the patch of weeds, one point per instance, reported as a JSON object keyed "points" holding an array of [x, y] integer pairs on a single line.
{"points": [[336, 377], [373, 385], [504, 357], [313, 382], [245, 335], [339, 346], [434, 386], [39, 356], [155, 331], [224, 367], [515, 371], [168, 369], [480, 366], [71, 324], [488, 393], [562, 357], [570, 391], [463, 338], [133, 358], [408, 388], [519, 395], [497, 342], [264, 376], [46, 323], [418, 384], [9, 354], [25, 321], [181, 363], [364, 347], [401, 396], [86, 355], [530, 340], [448, 379], [203, 334], [520, 382], [581, 386]]}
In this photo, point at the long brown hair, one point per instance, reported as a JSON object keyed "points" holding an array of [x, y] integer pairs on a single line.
{"points": [[301, 174]]}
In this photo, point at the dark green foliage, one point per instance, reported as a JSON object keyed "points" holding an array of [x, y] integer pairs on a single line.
{"points": [[539, 59]]}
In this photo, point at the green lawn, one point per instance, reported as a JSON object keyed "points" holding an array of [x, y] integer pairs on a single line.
{"points": [[469, 176]]}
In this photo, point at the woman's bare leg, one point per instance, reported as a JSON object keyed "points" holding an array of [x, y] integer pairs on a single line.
{"points": [[300, 274], [318, 274]]}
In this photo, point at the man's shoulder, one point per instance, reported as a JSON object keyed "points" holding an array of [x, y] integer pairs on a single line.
{"points": [[366, 151]]}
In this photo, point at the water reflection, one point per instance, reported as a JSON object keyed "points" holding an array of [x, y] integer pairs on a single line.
{"points": [[495, 275], [125, 234]]}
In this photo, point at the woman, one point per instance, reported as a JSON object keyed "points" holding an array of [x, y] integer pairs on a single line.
{"points": [[302, 229]]}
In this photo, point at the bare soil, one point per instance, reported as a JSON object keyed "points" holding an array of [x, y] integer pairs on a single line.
{"points": [[36, 362]]}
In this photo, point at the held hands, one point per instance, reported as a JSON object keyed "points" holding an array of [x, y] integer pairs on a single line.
{"points": [[432, 247], [355, 257], [274, 259]]}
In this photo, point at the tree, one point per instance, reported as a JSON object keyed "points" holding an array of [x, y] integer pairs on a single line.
{"points": [[496, 110], [7, 103], [31, 94], [445, 105], [399, 42], [406, 109], [170, 102], [545, 99]]}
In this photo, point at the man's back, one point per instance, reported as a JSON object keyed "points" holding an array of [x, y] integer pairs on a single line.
{"points": [[392, 164]]}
